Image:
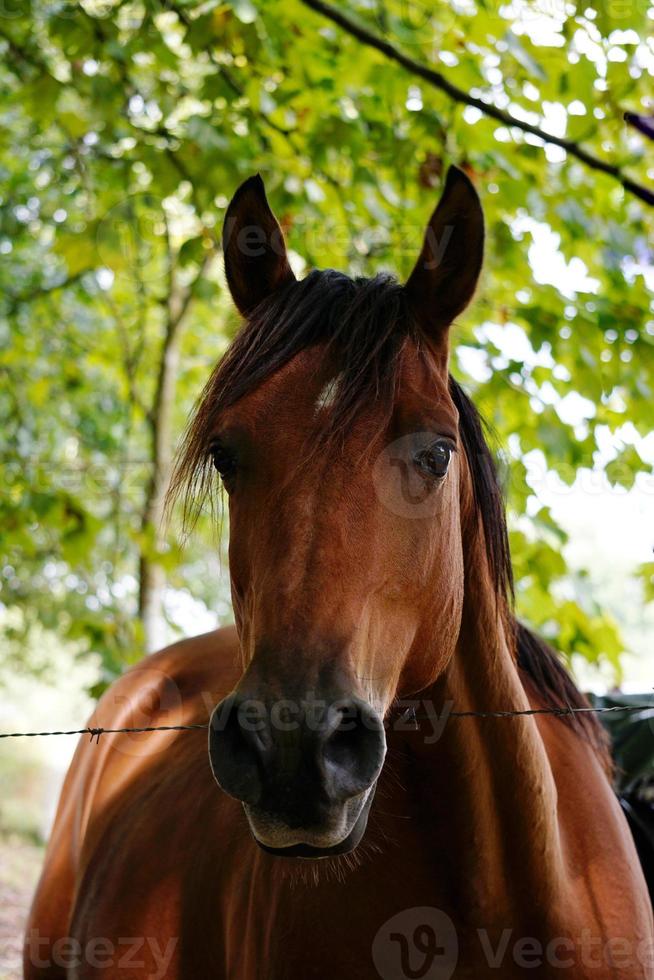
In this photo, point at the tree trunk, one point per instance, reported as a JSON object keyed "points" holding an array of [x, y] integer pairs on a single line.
{"points": [[152, 576]]}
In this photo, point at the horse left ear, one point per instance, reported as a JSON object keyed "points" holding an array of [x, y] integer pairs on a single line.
{"points": [[256, 263], [446, 273]]}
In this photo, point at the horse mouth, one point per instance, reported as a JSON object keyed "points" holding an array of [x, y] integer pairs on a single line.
{"points": [[314, 852]]}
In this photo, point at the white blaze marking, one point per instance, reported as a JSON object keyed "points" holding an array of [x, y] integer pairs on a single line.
{"points": [[328, 395]]}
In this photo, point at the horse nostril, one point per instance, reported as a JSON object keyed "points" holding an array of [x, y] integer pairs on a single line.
{"points": [[238, 742], [264, 766], [353, 750]]}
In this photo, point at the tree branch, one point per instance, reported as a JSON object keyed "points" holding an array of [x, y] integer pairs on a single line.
{"points": [[644, 124], [437, 80]]}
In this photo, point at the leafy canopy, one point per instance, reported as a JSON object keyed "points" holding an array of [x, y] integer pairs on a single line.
{"points": [[125, 128]]}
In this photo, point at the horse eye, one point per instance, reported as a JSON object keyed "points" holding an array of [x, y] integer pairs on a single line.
{"points": [[435, 459], [224, 462]]}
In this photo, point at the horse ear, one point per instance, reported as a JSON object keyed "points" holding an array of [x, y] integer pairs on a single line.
{"points": [[446, 273], [256, 263]]}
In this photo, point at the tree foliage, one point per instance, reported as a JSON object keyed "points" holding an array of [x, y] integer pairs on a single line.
{"points": [[125, 128]]}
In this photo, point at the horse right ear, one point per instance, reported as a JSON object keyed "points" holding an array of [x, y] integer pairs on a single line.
{"points": [[446, 273], [256, 263]]}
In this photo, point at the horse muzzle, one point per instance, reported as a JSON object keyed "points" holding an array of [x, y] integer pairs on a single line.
{"points": [[305, 771]]}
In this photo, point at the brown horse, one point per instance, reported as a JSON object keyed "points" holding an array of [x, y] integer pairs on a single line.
{"points": [[372, 587]]}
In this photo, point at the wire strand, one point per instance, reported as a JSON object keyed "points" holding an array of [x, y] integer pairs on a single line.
{"points": [[95, 733]]}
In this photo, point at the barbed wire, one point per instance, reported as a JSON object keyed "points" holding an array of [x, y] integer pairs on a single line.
{"points": [[563, 710], [95, 733]]}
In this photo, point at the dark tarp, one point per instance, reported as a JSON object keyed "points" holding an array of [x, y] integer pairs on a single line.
{"points": [[632, 737]]}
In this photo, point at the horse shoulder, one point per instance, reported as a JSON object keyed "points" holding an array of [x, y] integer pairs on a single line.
{"points": [[609, 895], [175, 686]]}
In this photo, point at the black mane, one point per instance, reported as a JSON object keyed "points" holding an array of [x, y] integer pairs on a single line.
{"points": [[365, 322], [534, 655]]}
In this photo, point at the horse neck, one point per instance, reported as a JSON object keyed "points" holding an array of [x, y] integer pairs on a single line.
{"points": [[501, 795]]}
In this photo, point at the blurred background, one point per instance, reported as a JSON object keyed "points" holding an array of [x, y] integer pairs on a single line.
{"points": [[125, 127]]}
